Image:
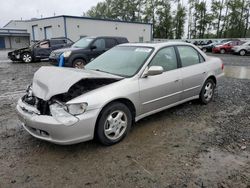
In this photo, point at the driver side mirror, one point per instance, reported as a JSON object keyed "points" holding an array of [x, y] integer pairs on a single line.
{"points": [[93, 47], [152, 71]]}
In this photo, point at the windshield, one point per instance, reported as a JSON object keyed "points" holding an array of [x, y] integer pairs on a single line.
{"points": [[83, 43], [123, 60]]}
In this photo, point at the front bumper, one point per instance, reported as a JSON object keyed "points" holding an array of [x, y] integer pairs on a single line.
{"points": [[55, 61], [14, 56], [47, 128]]}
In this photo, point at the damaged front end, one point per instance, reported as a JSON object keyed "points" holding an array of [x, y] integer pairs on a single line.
{"points": [[59, 106]]}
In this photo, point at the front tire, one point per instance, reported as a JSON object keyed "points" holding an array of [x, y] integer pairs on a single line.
{"points": [[114, 123], [26, 57], [242, 52], [207, 92], [222, 51], [79, 63]]}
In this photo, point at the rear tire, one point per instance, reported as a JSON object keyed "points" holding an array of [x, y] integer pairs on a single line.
{"points": [[26, 57], [207, 91], [79, 63], [114, 123]]}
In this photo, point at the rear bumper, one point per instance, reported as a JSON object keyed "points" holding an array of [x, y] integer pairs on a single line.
{"points": [[47, 128]]}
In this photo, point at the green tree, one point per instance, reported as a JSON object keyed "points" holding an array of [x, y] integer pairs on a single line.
{"points": [[157, 12], [216, 9], [179, 20], [235, 26], [164, 25]]}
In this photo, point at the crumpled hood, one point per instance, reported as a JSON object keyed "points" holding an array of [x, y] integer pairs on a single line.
{"points": [[20, 49], [49, 81]]}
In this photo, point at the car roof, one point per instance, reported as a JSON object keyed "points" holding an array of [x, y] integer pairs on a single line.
{"points": [[94, 37], [156, 45]]}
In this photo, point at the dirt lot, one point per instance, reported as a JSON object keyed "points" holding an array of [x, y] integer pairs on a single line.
{"points": [[191, 145]]}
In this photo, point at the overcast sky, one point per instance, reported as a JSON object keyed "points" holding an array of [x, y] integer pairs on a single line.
{"points": [[26, 9]]}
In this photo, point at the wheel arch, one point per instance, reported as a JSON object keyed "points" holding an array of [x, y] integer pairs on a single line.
{"points": [[243, 50], [209, 77], [74, 57], [26, 52], [213, 78], [124, 101]]}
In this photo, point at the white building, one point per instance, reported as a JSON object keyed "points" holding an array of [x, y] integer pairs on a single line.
{"points": [[14, 38], [74, 28]]}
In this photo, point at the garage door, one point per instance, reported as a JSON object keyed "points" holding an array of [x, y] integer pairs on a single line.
{"points": [[2, 42], [48, 32]]}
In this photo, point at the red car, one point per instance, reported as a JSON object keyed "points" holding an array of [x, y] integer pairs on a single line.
{"points": [[226, 47]]}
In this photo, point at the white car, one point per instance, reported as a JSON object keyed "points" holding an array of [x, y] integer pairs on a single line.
{"points": [[122, 86], [243, 49]]}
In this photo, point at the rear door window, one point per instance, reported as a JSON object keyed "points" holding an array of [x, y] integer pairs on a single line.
{"points": [[189, 56], [110, 43]]}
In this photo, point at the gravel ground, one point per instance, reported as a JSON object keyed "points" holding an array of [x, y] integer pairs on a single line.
{"points": [[191, 145]]}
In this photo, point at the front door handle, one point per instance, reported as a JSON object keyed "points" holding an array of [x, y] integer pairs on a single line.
{"points": [[204, 72], [177, 80]]}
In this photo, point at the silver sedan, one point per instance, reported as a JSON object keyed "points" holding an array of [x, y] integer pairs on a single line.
{"points": [[120, 87]]}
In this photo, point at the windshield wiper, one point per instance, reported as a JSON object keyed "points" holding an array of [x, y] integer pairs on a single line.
{"points": [[98, 70]]}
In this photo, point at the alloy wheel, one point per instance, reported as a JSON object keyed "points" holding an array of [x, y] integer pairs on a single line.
{"points": [[27, 58], [209, 91], [115, 125]]}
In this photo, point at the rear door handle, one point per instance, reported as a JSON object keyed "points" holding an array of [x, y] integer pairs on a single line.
{"points": [[204, 72], [177, 80]]}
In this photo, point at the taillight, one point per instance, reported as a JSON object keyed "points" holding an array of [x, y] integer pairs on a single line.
{"points": [[222, 66]]}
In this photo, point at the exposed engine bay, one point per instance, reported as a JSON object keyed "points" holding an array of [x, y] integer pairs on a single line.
{"points": [[79, 88]]}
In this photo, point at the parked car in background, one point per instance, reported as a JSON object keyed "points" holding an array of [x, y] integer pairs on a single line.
{"points": [[242, 50], [202, 42], [122, 86], [226, 47], [39, 50], [209, 47], [85, 50]]}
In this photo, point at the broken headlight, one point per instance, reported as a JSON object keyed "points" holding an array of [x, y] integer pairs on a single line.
{"points": [[60, 113], [77, 109], [29, 90]]}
